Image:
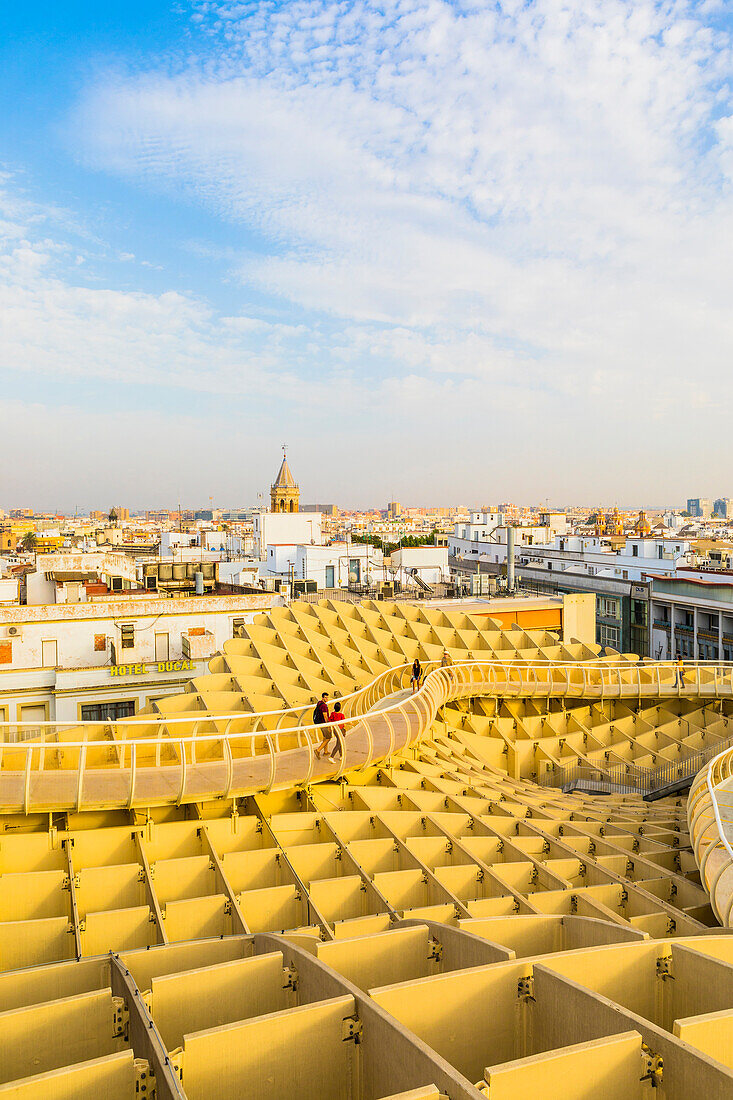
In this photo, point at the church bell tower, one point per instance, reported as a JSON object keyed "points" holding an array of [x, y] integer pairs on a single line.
{"points": [[284, 493]]}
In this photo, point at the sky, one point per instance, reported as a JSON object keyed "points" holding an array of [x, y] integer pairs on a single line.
{"points": [[446, 251]]}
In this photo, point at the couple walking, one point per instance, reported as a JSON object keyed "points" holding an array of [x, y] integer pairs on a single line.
{"points": [[321, 715]]}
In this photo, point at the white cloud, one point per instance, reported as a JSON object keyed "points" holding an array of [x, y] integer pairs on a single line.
{"points": [[519, 208]]}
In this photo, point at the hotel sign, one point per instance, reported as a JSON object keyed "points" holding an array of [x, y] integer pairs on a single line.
{"points": [[157, 666]]}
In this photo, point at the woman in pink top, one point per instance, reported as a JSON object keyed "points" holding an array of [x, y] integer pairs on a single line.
{"points": [[337, 715]]}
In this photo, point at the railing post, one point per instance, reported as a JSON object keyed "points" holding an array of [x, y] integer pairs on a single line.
{"points": [[271, 747], [133, 772], [182, 789], [229, 759], [390, 750], [27, 779], [80, 776]]}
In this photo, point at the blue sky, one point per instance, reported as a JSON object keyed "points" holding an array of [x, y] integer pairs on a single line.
{"points": [[447, 251]]}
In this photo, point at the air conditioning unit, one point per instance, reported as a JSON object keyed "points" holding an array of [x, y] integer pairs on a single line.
{"points": [[15, 632]]}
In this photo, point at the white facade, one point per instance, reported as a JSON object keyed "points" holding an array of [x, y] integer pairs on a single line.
{"points": [[44, 587], [329, 566], [173, 541], [9, 590], [272, 528], [216, 545], [556, 523], [640, 558], [430, 563], [693, 620], [238, 571], [479, 526], [54, 660]]}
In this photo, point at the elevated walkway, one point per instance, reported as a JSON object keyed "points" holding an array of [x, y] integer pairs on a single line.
{"points": [[710, 819], [173, 760]]}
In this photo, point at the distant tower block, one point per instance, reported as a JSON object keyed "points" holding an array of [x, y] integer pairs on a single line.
{"points": [[285, 494]]}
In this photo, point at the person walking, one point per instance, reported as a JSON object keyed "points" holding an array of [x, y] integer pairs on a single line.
{"points": [[416, 674], [337, 716], [680, 670], [320, 717], [445, 660]]}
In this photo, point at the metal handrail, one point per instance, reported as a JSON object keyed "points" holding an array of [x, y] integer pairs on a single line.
{"points": [[635, 776], [540, 688], [132, 777], [707, 833]]}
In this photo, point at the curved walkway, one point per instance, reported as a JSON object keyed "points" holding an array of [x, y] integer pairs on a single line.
{"points": [[195, 758], [710, 818]]}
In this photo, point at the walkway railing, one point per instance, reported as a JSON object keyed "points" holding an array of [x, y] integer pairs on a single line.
{"points": [[630, 778], [194, 756], [710, 820]]}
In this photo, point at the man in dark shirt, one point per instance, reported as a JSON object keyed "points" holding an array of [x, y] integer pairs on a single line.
{"points": [[320, 715]]}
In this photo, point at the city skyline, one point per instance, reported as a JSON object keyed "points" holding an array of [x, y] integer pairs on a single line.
{"points": [[428, 244]]}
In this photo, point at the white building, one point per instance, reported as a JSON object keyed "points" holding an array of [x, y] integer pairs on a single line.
{"points": [[333, 566], [429, 563], [692, 617], [589, 555], [479, 526], [109, 658], [273, 528], [63, 577], [555, 522], [216, 545], [9, 588]]}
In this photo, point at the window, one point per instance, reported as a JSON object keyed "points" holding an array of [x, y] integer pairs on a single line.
{"points": [[107, 712], [100, 643], [609, 635], [49, 654], [639, 610], [549, 565], [635, 551], [116, 584], [639, 640], [660, 551], [162, 647], [30, 714], [127, 636], [6, 653], [609, 607], [238, 628]]}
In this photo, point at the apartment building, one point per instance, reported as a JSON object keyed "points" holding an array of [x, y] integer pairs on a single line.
{"points": [[620, 578], [107, 658], [335, 566], [692, 618]]}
